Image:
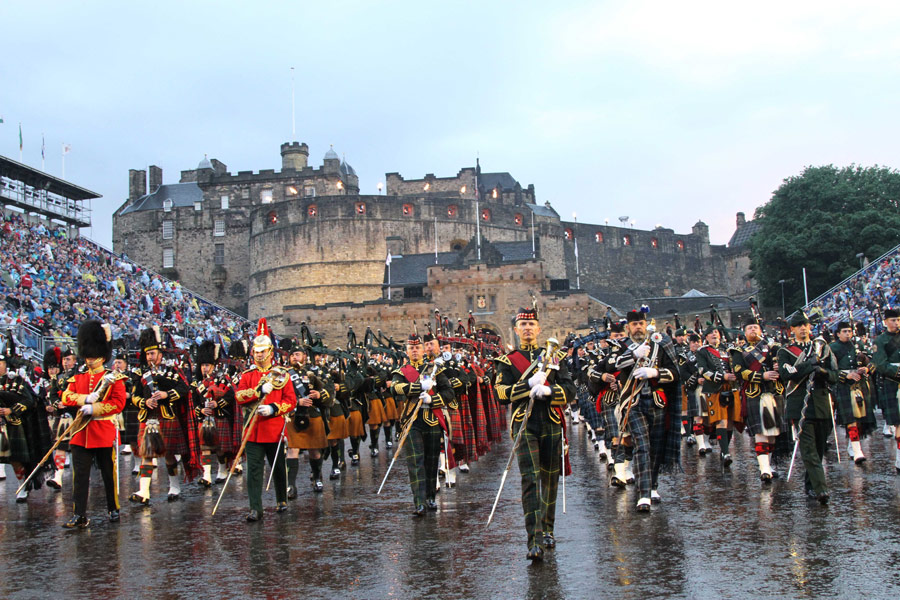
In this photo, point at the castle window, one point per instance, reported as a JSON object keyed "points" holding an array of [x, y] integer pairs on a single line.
{"points": [[415, 291], [311, 210], [452, 211], [198, 205], [291, 190], [470, 302], [654, 243], [168, 229], [272, 218], [485, 214], [340, 185], [265, 196], [361, 208], [168, 258], [309, 191], [598, 237], [167, 205], [680, 245], [518, 219], [245, 193], [626, 240], [494, 193], [224, 200], [569, 234], [219, 255], [219, 228], [407, 210], [426, 187]]}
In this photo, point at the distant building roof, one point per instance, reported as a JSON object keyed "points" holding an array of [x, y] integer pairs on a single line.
{"points": [[412, 269], [694, 293], [331, 154], [204, 164], [743, 234], [542, 211], [490, 181], [346, 169], [181, 194]]}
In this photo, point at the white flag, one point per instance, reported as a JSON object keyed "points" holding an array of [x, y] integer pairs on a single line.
{"points": [[387, 261], [66, 149], [576, 247]]}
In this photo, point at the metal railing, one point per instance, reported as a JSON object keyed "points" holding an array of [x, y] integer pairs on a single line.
{"points": [[873, 265], [46, 202]]}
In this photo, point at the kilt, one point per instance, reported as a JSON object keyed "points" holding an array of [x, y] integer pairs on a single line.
{"points": [[611, 429], [479, 422], [890, 405], [60, 423], [754, 415], [690, 403], [355, 425], [495, 420], [19, 451], [466, 451], [588, 408], [844, 405], [718, 412], [390, 409], [172, 435], [458, 438], [376, 412], [340, 428], [311, 438], [132, 425]]}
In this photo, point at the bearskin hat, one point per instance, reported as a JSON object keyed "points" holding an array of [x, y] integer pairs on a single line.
{"points": [[94, 340], [52, 358]]}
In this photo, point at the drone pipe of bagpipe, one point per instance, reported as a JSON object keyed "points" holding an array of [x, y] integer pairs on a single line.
{"points": [[248, 428], [471, 323], [677, 322], [438, 326], [351, 338], [718, 323]]}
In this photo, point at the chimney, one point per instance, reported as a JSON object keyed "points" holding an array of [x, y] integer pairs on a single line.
{"points": [[137, 184], [155, 178], [741, 220]]}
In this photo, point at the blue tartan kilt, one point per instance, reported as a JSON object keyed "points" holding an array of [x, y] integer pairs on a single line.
{"points": [[890, 406], [588, 408], [611, 425], [690, 403]]}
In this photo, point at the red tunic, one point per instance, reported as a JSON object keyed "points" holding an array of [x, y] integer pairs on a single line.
{"points": [[101, 429], [267, 430]]}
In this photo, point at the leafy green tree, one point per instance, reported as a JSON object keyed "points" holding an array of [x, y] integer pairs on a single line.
{"points": [[821, 219]]}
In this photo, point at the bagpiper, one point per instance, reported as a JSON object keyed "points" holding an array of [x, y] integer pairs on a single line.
{"points": [[886, 357], [217, 412], [723, 405], [99, 396], [854, 408]]}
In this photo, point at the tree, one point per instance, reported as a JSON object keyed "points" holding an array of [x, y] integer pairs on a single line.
{"points": [[821, 219]]}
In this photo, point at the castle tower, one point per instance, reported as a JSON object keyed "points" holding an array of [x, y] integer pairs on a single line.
{"points": [[294, 155]]}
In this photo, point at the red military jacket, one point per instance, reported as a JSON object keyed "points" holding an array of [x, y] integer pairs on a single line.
{"points": [[267, 430], [101, 429]]}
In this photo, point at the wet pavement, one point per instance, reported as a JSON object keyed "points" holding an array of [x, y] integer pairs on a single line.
{"points": [[714, 536]]}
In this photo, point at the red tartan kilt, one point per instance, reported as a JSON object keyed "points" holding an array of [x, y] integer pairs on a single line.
{"points": [[457, 427], [227, 441], [171, 432]]}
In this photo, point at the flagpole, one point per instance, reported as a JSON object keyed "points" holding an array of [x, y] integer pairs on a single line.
{"points": [[435, 241], [477, 213], [293, 111], [533, 249], [575, 238], [20, 142], [42, 153], [387, 262]]}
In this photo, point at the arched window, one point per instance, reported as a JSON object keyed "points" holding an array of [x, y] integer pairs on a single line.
{"points": [[654, 243], [485, 214], [626, 240], [167, 205], [494, 193], [452, 211], [680, 245], [272, 218], [361, 208], [599, 237], [569, 234], [407, 210], [312, 211], [519, 219]]}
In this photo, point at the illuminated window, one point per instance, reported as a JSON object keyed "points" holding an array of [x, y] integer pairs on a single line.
{"points": [[599, 237], [291, 190], [340, 185], [626, 240], [265, 196], [311, 210], [519, 219], [272, 218], [462, 190], [361, 208], [494, 193], [452, 211], [168, 230], [407, 210], [485, 214], [426, 187], [569, 234], [680, 244], [654, 243]]}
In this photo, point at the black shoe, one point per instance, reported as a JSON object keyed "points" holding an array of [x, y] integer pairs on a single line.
{"points": [[822, 498], [137, 498], [610, 465], [204, 482], [113, 516], [291, 492], [766, 477], [280, 507], [342, 465], [335, 474], [53, 485], [173, 497], [549, 541], [616, 482], [354, 460], [420, 511], [374, 451], [432, 505], [253, 516], [535, 554], [318, 486], [858, 461], [77, 522], [726, 460]]}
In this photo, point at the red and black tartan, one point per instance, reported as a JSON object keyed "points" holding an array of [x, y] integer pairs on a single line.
{"points": [[187, 419], [479, 420], [496, 420], [467, 451]]}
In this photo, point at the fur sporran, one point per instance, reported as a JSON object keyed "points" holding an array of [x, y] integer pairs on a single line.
{"points": [[301, 418], [152, 444], [858, 402], [209, 433]]}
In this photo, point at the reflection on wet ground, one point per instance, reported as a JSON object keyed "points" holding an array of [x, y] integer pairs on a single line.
{"points": [[714, 536]]}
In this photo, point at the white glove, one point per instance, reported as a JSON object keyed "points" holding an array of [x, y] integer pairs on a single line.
{"points": [[22, 373], [646, 373], [541, 391], [267, 387], [642, 351], [539, 378], [425, 397], [265, 410], [427, 383], [87, 410], [91, 398]]}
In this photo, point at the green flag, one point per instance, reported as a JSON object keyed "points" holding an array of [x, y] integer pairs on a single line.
{"points": [[20, 137]]}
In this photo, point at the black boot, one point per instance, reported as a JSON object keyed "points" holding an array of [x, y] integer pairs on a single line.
{"points": [[316, 464], [387, 436], [354, 451], [293, 467]]}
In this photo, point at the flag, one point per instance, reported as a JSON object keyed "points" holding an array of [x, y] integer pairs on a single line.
{"points": [[42, 146], [20, 138], [66, 149], [1, 119], [576, 247], [387, 261]]}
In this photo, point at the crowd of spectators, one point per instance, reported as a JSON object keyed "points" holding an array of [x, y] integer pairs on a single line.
{"points": [[53, 283], [866, 295]]}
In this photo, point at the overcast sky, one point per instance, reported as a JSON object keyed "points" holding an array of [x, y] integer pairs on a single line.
{"points": [[666, 112]]}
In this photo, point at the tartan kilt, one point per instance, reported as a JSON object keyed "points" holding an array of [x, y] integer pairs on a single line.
{"points": [[844, 405], [172, 435], [690, 402], [890, 406], [754, 416], [228, 443], [340, 428], [355, 424], [311, 438], [479, 421], [458, 438], [588, 409], [390, 409], [19, 451], [496, 420], [608, 415], [132, 425], [469, 448], [376, 412]]}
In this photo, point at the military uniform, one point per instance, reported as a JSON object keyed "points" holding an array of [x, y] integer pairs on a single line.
{"points": [[853, 402], [308, 427], [886, 358], [220, 431], [723, 404]]}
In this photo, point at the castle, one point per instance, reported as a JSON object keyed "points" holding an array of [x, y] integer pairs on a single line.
{"points": [[302, 244]]}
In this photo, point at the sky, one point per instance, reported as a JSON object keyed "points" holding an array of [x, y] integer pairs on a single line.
{"points": [[666, 112]]}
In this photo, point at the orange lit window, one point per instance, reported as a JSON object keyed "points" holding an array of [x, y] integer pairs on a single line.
{"points": [[272, 218], [494, 193], [680, 244], [654, 243], [360, 208], [451, 211], [569, 234], [626, 240], [599, 237], [311, 210], [519, 219], [407, 210], [485, 214]]}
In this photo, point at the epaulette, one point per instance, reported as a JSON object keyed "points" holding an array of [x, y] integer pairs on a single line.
{"points": [[503, 358], [71, 379], [250, 368]]}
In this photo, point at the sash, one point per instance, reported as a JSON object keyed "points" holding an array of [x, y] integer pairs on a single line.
{"points": [[519, 361], [410, 372]]}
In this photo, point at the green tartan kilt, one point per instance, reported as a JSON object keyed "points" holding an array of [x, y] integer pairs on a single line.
{"points": [[15, 446], [890, 406], [844, 405], [754, 415]]}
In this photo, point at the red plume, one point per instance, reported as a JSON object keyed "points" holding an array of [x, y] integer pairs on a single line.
{"points": [[262, 328], [58, 354]]}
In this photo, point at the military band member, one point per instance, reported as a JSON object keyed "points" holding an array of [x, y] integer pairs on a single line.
{"points": [[762, 391], [723, 405], [604, 386], [539, 452], [56, 385], [99, 395], [216, 410], [854, 408], [16, 402], [807, 370], [414, 382], [338, 422], [693, 405], [129, 414], [267, 391], [886, 357]]}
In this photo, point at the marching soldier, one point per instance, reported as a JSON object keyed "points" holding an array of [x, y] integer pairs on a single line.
{"points": [[424, 390], [723, 405], [269, 394], [99, 396], [545, 392], [854, 409], [886, 356], [338, 422], [216, 410]]}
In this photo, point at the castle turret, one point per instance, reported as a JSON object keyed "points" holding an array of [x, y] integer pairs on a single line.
{"points": [[294, 155]]}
